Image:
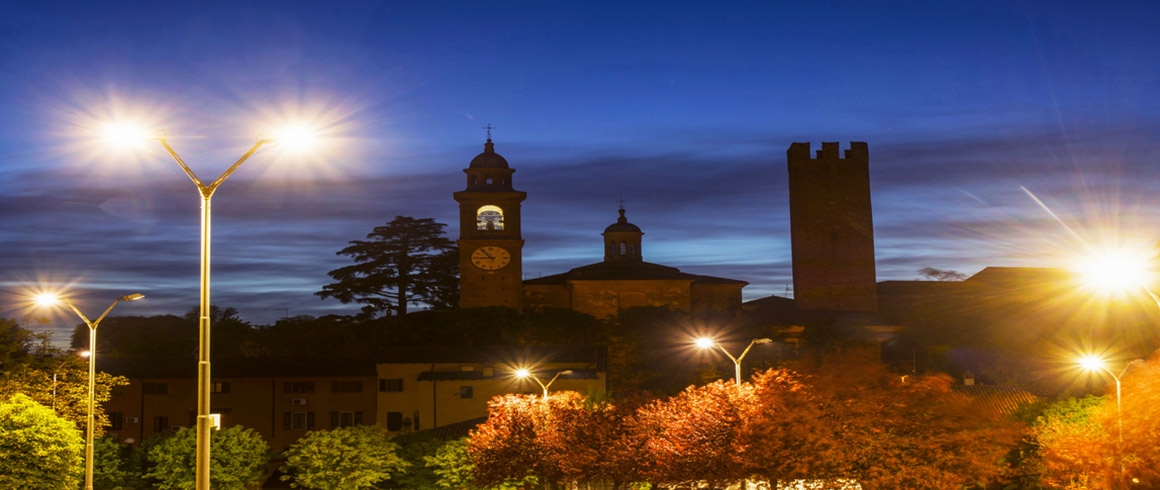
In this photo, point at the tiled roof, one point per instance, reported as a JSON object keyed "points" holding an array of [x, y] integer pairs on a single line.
{"points": [[628, 271], [998, 400]]}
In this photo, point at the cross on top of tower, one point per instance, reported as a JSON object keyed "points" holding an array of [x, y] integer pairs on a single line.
{"points": [[489, 127], [620, 202]]}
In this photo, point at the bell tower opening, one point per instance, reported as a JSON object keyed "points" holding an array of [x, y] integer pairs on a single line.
{"points": [[489, 218]]}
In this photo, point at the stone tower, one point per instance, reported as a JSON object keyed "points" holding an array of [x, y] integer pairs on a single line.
{"points": [[831, 228], [490, 246]]}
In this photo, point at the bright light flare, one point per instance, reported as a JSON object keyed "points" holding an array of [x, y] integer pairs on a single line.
{"points": [[123, 135], [46, 299], [1092, 363], [297, 138], [1116, 271], [522, 373], [704, 343], [84, 353]]}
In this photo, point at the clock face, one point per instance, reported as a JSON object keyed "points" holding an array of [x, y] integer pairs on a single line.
{"points": [[490, 258]]}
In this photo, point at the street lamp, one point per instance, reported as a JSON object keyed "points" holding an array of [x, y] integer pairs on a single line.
{"points": [[524, 373], [49, 299], [298, 137], [708, 343], [1093, 364]]}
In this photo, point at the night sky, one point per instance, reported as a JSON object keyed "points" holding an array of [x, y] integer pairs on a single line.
{"points": [[1000, 133]]}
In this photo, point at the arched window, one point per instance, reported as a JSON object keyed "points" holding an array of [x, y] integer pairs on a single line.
{"points": [[489, 218], [623, 248]]}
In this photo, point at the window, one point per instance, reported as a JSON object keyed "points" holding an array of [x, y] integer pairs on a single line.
{"points": [[297, 420], [466, 392], [220, 387], [155, 388], [623, 248], [346, 387], [116, 421], [160, 424], [489, 218], [298, 387], [394, 421], [345, 419], [393, 384]]}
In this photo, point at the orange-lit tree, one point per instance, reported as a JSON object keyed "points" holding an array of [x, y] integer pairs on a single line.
{"points": [[853, 419], [694, 436]]}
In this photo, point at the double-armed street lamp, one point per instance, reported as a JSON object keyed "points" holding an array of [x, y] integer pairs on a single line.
{"points": [[298, 137], [525, 373], [709, 343], [50, 299], [1096, 364]]}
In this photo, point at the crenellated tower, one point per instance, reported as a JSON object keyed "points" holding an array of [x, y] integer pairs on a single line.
{"points": [[832, 228]]}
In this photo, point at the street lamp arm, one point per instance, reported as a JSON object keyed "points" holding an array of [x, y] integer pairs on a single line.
{"points": [[730, 356], [102, 317], [82, 315], [237, 164], [180, 162]]}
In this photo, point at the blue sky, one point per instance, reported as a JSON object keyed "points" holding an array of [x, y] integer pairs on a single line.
{"points": [[684, 109]]}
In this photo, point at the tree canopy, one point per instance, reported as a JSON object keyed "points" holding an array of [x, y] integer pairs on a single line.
{"points": [[38, 450], [238, 458], [346, 458], [406, 261]]}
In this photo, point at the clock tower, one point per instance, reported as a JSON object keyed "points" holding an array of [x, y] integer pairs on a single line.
{"points": [[490, 246]]}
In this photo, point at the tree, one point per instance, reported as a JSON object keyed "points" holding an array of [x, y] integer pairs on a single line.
{"points": [[38, 450], [54, 378], [111, 466], [346, 458], [1075, 448], [695, 436], [406, 261], [238, 458]]}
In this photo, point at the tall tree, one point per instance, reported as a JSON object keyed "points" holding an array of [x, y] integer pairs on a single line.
{"points": [[346, 458], [407, 260]]}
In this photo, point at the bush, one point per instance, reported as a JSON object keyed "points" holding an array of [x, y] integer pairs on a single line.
{"points": [[38, 449]]}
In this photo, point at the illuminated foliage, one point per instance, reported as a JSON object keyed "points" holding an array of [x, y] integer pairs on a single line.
{"points": [[1078, 442], [406, 261], [346, 458], [38, 450], [846, 420], [237, 459]]}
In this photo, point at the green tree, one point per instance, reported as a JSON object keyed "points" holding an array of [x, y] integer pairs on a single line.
{"points": [[453, 466], [52, 377], [38, 450], [238, 458], [415, 448], [347, 458], [406, 261], [111, 465]]}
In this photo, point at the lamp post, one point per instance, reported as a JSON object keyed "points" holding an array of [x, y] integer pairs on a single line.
{"points": [[1096, 364], [524, 373], [300, 137], [708, 343], [50, 299], [204, 424]]}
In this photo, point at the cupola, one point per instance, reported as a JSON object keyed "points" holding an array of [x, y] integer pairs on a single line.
{"points": [[622, 240]]}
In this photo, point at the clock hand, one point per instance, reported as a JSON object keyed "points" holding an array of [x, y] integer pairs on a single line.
{"points": [[487, 254]]}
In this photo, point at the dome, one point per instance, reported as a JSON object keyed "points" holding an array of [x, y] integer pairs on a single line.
{"points": [[489, 158], [622, 225]]}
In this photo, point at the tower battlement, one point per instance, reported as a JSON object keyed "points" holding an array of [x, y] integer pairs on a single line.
{"points": [[831, 227]]}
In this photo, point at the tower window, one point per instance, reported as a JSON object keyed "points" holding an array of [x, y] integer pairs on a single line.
{"points": [[623, 248], [489, 218]]}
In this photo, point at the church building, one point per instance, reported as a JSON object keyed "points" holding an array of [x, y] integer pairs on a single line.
{"points": [[490, 259]]}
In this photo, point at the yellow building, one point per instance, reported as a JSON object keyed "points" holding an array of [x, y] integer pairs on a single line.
{"points": [[405, 390]]}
